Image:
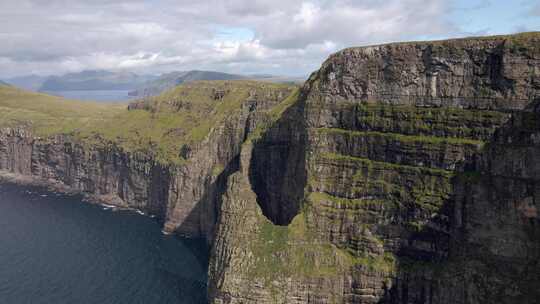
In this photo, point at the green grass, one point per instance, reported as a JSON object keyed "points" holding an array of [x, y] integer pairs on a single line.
{"points": [[346, 204], [404, 138], [410, 120], [390, 166], [159, 127], [385, 263], [183, 116], [274, 114], [47, 115], [293, 251], [445, 122], [399, 185]]}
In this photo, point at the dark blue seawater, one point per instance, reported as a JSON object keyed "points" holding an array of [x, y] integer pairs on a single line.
{"points": [[94, 95], [56, 249]]}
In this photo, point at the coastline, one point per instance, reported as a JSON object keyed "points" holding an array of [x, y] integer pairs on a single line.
{"points": [[113, 203]]}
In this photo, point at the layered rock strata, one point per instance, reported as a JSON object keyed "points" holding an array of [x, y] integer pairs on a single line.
{"points": [[185, 196], [401, 173], [404, 173]]}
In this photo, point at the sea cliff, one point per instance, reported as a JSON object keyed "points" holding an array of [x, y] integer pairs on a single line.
{"points": [[400, 173], [404, 173]]}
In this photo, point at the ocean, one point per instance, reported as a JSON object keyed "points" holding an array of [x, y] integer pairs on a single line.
{"points": [[55, 248]]}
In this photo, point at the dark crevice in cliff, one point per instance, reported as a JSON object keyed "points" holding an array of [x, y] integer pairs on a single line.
{"points": [[159, 190], [277, 170], [499, 82], [221, 184], [206, 210]]}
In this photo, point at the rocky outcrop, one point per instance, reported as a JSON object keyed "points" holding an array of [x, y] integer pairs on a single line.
{"points": [[404, 173], [401, 173], [185, 196]]}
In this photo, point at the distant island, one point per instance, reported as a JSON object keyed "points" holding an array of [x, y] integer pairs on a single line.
{"points": [[170, 80], [145, 85], [27, 82], [94, 80]]}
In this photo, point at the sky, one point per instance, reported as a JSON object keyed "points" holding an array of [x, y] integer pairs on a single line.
{"points": [[280, 37]]}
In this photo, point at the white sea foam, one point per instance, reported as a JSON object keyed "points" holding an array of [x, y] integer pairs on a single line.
{"points": [[108, 207]]}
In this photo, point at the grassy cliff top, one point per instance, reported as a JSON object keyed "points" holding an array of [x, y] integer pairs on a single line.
{"points": [[184, 115], [158, 126], [48, 115], [528, 40]]}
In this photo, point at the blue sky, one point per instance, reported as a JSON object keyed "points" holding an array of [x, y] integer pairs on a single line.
{"points": [[496, 16], [282, 37]]}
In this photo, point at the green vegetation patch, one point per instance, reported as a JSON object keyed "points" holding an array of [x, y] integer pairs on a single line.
{"points": [[445, 122], [340, 204], [365, 162], [385, 263], [436, 140], [47, 115], [400, 185], [524, 43], [160, 126], [275, 114], [184, 116], [292, 251]]}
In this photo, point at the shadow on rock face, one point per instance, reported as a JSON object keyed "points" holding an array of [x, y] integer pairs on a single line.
{"points": [[277, 171], [485, 240]]}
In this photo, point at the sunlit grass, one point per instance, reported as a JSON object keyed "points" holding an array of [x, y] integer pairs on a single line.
{"points": [[47, 115], [182, 116]]}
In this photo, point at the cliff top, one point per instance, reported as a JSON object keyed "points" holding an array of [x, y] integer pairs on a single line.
{"points": [[526, 39], [159, 125], [162, 125], [495, 73], [47, 114], [205, 97], [183, 115]]}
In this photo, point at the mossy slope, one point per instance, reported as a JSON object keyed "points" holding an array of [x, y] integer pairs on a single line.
{"points": [[158, 126]]}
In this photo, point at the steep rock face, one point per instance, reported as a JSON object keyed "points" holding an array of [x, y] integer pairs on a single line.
{"points": [[185, 196], [401, 173], [198, 185], [409, 177], [109, 174]]}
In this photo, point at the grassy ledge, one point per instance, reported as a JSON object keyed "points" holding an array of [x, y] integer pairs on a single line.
{"points": [[403, 138], [384, 165]]}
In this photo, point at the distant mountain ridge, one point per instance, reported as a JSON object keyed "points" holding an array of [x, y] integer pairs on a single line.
{"points": [[4, 83], [28, 82], [170, 80], [94, 80], [138, 85]]}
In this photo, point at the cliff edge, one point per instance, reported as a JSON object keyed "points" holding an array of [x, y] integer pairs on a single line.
{"points": [[403, 173]]}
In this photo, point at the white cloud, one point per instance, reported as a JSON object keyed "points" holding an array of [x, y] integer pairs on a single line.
{"points": [[289, 36], [147, 30], [308, 15]]}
